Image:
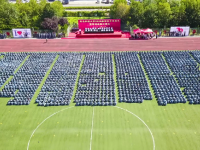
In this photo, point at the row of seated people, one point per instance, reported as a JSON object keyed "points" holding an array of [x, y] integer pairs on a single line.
{"points": [[99, 30]]}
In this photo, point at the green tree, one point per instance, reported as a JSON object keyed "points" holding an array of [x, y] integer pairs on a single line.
{"points": [[58, 8], [164, 13], [8, 15], [192, 12], [48, 12], [178, 13], [136, 13], [114, 8], [30, 13], [122, 12], [150, 15]]}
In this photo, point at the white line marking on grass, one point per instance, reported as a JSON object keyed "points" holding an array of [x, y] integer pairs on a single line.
{"points": [[91, 130], [143, 123], [43, 122]]}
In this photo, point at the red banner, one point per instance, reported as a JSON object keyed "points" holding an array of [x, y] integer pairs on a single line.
{"points": [[100, 23]]}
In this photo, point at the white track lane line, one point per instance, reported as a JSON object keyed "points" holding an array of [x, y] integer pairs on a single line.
{"points": [[43, 122], [91, 130], [143, 123]]}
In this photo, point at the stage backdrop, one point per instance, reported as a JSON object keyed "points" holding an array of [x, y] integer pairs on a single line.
{"points": [[185, 30], [98, 23], [20, 33]]}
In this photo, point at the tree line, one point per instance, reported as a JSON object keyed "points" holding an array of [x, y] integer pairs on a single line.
{"points": [[31, 15], [157, 13], [149, 13]]}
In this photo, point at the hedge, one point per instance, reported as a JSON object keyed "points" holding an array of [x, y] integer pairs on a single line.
{"points": [[86, 14], [88, 7]]}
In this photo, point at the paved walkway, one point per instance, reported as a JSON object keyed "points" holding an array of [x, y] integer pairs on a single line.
{"points": [[85, 3], [75, 10]]}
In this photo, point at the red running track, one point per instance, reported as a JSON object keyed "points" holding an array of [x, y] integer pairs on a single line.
{"points": [[122, 44]]}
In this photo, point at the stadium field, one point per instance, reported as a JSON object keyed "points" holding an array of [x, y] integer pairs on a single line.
{"points": [[127, 126], [173, 127]]}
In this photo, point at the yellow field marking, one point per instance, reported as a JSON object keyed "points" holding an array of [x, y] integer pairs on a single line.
{"points": [[130, 133], [57, 122], [102, 109], [1, 123], [168, 120], [188, 120], [101, 134], [54, 135], [12, 135], [8, 111], [195, 133], [127, 121], [79, 121], [174, 133], [101, 121], [77, 134], [25, 111], [164, 109], [147, 120], [19, 123], [183, 109]]}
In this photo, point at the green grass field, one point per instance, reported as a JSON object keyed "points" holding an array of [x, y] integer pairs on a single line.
{"points": [[174, 127]]}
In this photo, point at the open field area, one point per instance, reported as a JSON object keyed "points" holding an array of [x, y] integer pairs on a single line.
{"points": [[173, 127], [100, 101]]}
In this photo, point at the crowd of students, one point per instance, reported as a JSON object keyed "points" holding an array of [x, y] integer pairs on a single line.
{"points": [[3, 36], [145, 36]]}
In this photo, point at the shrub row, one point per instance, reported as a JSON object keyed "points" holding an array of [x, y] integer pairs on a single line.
{"points": [[86, 14], [88, 7]]}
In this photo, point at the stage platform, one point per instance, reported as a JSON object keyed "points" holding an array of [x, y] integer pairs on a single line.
{"points": [[100, 35], [116, 34]]}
